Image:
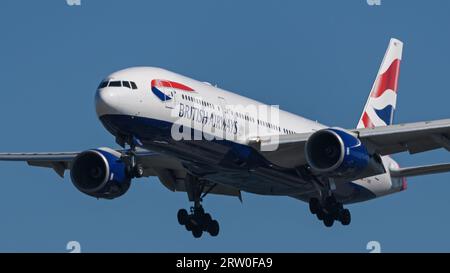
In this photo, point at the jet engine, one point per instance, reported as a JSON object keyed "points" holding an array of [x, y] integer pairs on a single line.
{"points": [[100, 173], [340, 154]]}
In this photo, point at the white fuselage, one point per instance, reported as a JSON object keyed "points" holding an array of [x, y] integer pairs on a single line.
{"points": [[219, 113]]}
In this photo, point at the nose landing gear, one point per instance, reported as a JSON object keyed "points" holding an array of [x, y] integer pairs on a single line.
{"points": [[134, 169]]}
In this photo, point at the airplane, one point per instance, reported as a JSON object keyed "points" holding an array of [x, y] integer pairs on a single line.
{"points": [[200, 139]]}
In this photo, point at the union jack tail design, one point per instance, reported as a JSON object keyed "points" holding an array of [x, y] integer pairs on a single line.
{"points": [[380, 107]]}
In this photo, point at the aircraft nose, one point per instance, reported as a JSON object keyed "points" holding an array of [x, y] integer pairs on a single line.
{"points": [[107, 101]]}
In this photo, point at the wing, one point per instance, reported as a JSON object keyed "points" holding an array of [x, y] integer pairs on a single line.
{"points": [[59, 162], [411, 137], [170, 171], [417, 137], [285, 150]]}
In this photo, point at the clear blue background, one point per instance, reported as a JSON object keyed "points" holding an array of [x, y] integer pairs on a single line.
{"points": [[314, 58]]}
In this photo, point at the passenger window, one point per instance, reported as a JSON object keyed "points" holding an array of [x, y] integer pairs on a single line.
{"points": [[126, 84], [133, 85], [115, 84]]}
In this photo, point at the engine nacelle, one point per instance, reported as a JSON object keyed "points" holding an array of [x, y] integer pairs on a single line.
{"points": [[100, 173], [338, 153]]}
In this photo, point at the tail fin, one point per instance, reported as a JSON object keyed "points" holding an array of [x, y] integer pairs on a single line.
{"points": [[380, 106]]}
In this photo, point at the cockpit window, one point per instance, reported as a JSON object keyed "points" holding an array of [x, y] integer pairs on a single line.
{"points": [[126, 84], [103, 84], [115, 83]]}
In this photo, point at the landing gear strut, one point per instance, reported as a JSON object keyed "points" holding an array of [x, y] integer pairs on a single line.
{"points": [[135, 170], [197, 221], [329, 211]]}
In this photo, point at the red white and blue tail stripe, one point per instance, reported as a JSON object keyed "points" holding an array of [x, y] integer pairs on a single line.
{"points": [[380, 107]]}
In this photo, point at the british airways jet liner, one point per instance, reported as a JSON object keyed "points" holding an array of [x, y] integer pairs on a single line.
{"points": [[200, 139]]}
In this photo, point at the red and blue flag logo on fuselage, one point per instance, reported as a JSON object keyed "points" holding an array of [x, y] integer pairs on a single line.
{"points": [[163, 89]]}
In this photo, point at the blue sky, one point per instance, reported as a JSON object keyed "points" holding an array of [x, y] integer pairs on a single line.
{"points": [[314, 58]]}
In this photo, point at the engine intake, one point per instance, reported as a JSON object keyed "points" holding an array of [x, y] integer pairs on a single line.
{"points": [[336, 152], [100, 173]]}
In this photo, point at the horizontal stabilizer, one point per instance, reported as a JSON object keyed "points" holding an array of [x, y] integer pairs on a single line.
{"points": [[421, 170]]}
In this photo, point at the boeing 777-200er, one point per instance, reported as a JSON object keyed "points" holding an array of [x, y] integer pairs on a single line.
{"points": [[194, 138]]}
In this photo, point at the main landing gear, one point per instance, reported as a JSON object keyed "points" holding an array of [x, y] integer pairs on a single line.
{"points": [[330, 210], [327, 208], [197, 221]]}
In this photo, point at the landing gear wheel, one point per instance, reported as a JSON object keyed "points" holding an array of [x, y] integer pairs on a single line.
{"points": [[330, 210], [331, 204], [320, 215], [213, 228], [138, 171], [328, 220], [188, 226], [346, 217], [197, 232], [314, 205], [134, 170], [183, 217], [207, 219]]}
